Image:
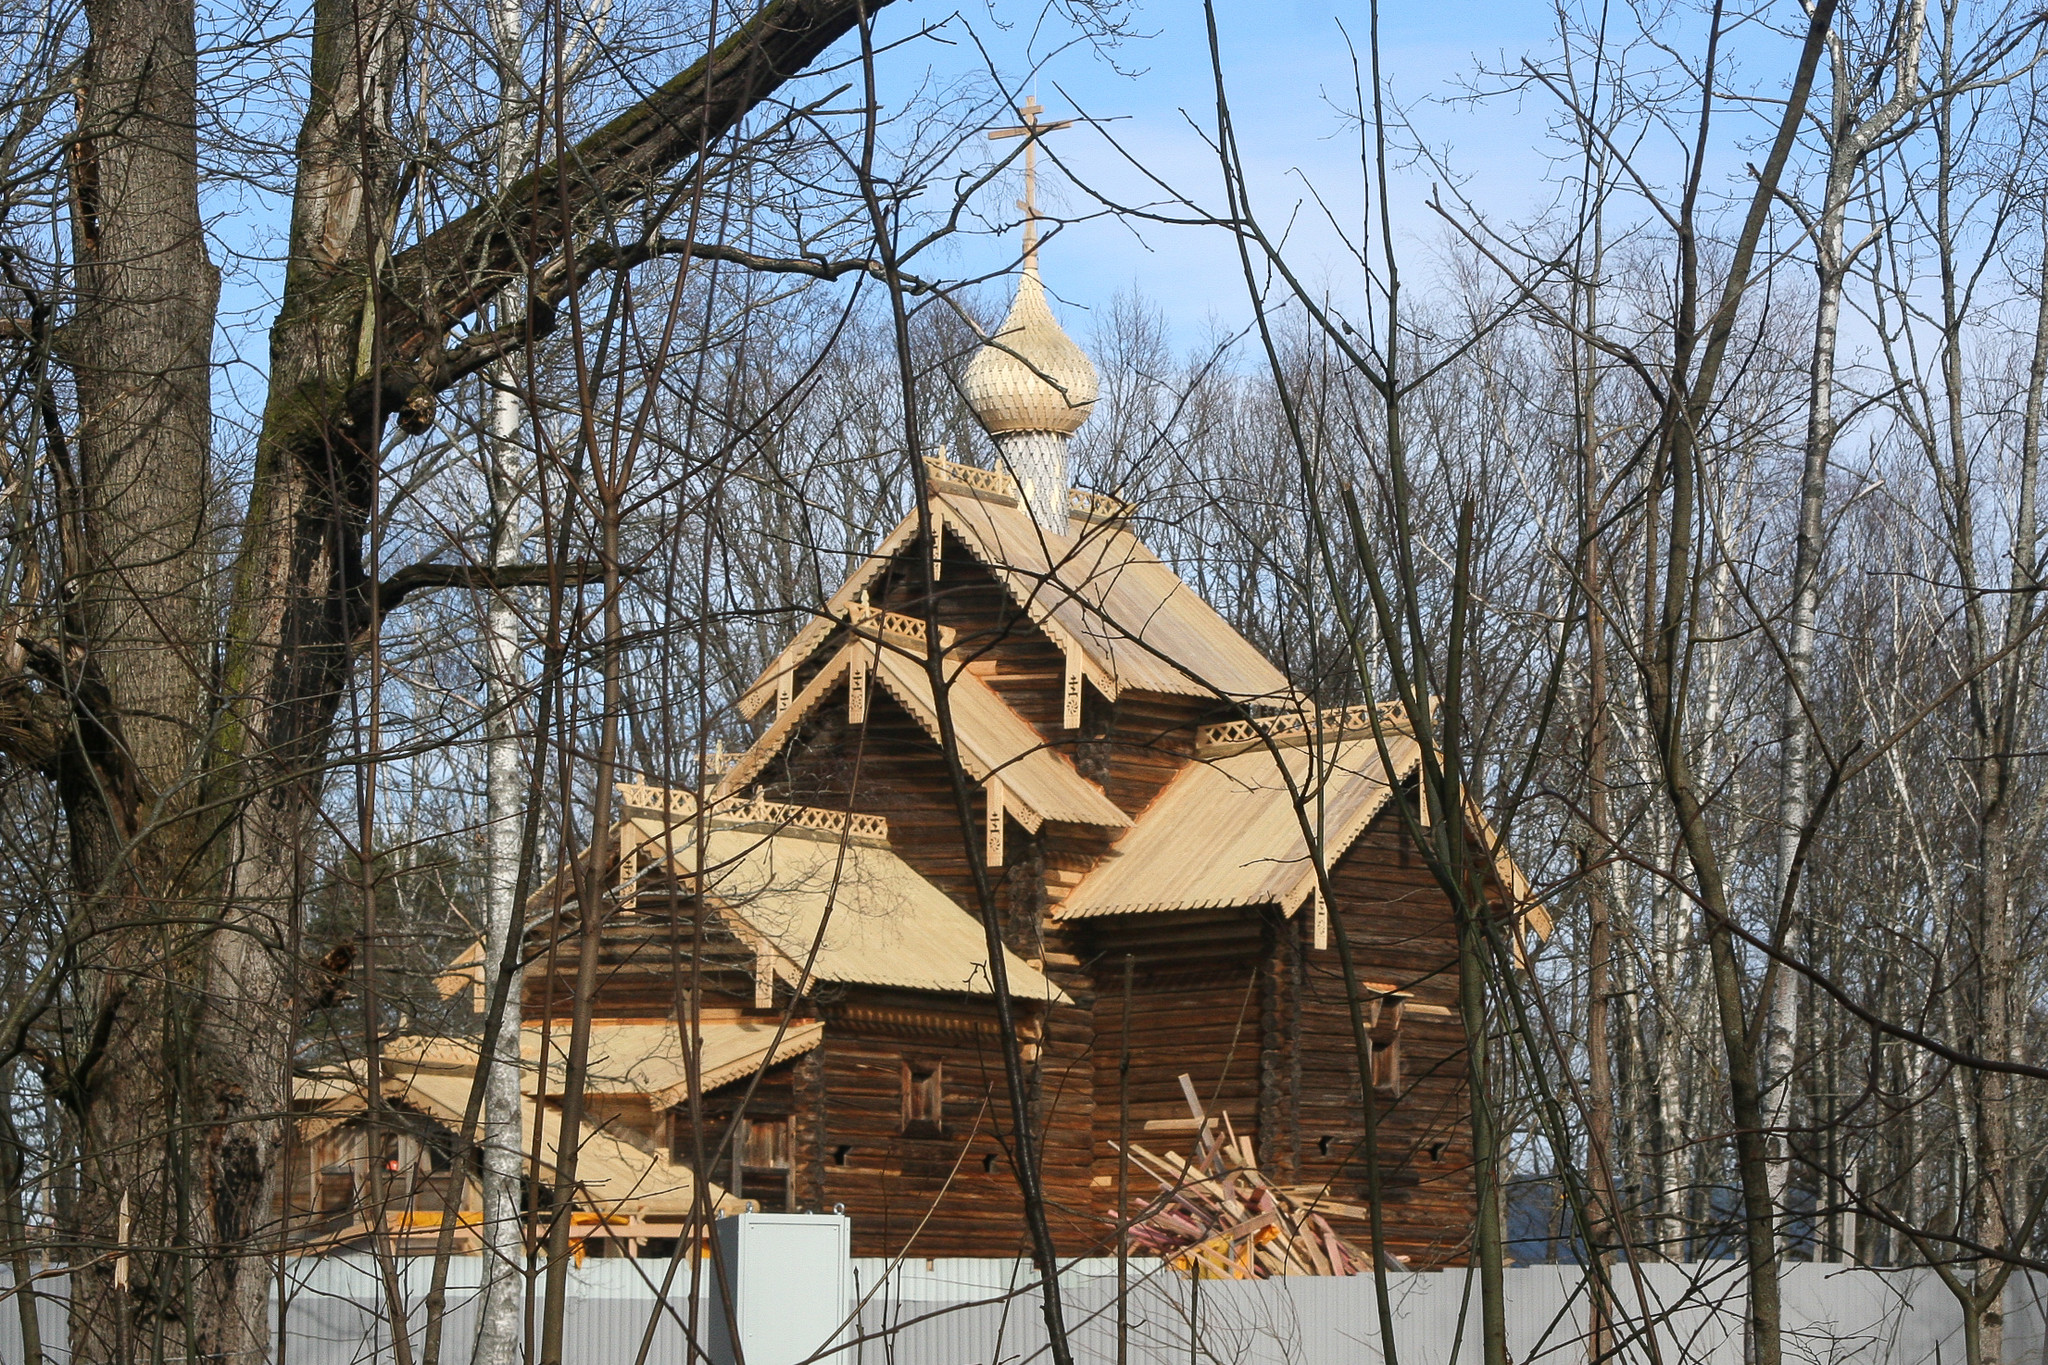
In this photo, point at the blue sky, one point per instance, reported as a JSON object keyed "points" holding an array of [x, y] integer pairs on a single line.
{"points": [[1289, 71], [1287, 66]]}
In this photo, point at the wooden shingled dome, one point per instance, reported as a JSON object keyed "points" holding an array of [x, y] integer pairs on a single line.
{"points": [[1031, 376]]}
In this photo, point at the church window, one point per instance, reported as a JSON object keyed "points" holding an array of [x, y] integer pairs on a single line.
{"points": [[1386, 1064], [334, 1188], [924, 1098]]}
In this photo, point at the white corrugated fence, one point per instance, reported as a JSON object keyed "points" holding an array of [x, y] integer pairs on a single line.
{"points": [[987, 1312]]}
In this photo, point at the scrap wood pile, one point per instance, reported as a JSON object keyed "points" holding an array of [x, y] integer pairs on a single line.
{"points": [[1217, 1217]]}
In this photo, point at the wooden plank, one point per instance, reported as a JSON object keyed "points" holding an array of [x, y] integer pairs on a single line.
{"points": [[1175, 1125], [857, 689], [994, 821]]}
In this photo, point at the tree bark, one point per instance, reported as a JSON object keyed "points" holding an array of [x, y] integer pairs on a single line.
{"points": [[190, 794], [499, 1321], [158, 1086], [504, 1167]]}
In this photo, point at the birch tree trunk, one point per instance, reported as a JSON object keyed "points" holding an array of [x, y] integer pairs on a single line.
{"points": [[1851, 138], [499, 1321]]}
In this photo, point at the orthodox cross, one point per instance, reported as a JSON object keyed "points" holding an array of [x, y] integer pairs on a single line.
{"points": [[1031, 131]]}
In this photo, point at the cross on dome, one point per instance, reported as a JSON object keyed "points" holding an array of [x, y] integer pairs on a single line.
{"points": [[1031, 131], [1030, 385]]}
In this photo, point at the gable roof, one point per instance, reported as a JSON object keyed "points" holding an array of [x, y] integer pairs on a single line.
{"points": [[621, 1179], [995, 742], [1099, 591], [1226, 832], [631, 1059], [1039, 783], [883, 924], [647, 1059]]}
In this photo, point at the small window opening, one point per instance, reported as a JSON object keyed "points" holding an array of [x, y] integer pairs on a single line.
{"points": [[335, 1189], [1323, 1143], [763, 1165], [924, 1098], [988, 1163], [1436, 1151], [1386, 1060], [440, 1147], [839, 1154]]}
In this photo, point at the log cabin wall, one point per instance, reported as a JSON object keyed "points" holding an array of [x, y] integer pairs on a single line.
{"points": [[638, 954], [754, 1137], [1403, 933], [329, 1187], [902, 1119], [890, 767], [1134, 746], [1244, 1003], [1197, 1007]]}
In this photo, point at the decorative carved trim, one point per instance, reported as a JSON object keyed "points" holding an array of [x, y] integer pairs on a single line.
{"points": [[857, 688], [1070, 691], [1081, 502], [874, 621], [753, 811], [906, 1023], [1296, 727], [994, 852], [970, 478], [1093, 506]]}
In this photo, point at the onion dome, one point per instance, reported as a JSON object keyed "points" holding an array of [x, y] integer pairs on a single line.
{"points": [[1031, 377]]}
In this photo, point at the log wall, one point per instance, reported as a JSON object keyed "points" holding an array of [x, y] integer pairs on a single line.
{"points": [[1402, 934], [1259, 1018], [911, 1189]]}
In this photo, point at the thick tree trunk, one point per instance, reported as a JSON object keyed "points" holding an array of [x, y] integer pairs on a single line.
{"points": [[155, 1084], [190, 795]]}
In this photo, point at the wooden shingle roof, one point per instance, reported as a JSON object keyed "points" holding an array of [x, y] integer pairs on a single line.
{"points": [[1099, 591], [882, 924], [630, 1058], [995, 742], [1227, 832], [619, 1178]]}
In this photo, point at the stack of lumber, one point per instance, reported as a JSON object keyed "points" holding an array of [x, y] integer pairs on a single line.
{"points": [[1217, 1217]]}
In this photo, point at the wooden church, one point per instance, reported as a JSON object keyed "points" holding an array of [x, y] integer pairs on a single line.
{"points": [[1143, 783], [1143, 788]]}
